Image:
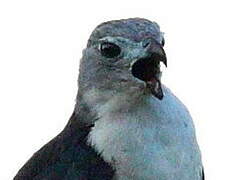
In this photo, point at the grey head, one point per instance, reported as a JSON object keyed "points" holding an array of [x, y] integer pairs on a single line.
{"points": [[122, 58]]}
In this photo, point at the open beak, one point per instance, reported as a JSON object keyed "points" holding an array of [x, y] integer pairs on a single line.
{"points": [[147, 68]]}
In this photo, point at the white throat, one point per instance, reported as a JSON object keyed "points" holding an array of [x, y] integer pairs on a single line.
{"points": [[149, 140]]}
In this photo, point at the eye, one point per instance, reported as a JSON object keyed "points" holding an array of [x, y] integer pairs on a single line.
{"points": [[109, 50]]}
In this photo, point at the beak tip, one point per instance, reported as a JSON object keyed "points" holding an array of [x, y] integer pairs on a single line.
{"points": [[164, 61]]}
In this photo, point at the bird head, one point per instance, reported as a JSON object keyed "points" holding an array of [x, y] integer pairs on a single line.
{"points": [[123, 56]]}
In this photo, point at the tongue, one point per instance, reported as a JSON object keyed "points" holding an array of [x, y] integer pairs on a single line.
{"points": [[154, 85]]}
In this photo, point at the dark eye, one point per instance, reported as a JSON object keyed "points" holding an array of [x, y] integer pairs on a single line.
{"points": [[109, 50]]}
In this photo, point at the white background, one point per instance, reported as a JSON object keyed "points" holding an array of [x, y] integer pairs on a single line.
{"points": [[40, 48]]}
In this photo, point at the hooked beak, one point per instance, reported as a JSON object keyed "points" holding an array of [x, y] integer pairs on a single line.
{"points": [[147, 68]]}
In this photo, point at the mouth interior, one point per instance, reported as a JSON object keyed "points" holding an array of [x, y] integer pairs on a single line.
{"points": [[147, 69]]}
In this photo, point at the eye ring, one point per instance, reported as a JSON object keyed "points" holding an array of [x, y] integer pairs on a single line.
{"points": [[109, 50]]}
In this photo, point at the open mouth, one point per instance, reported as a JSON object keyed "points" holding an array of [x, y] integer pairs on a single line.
{"points": [[148, 70]]}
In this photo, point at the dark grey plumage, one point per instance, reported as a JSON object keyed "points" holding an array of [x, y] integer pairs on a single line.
{"points": [[136, 29], [67, 157]]}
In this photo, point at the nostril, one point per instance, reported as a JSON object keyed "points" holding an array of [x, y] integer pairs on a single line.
{"points": [[146, 43]]}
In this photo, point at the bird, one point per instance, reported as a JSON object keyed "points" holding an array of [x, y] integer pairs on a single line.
{"points": [[126, 124]]}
